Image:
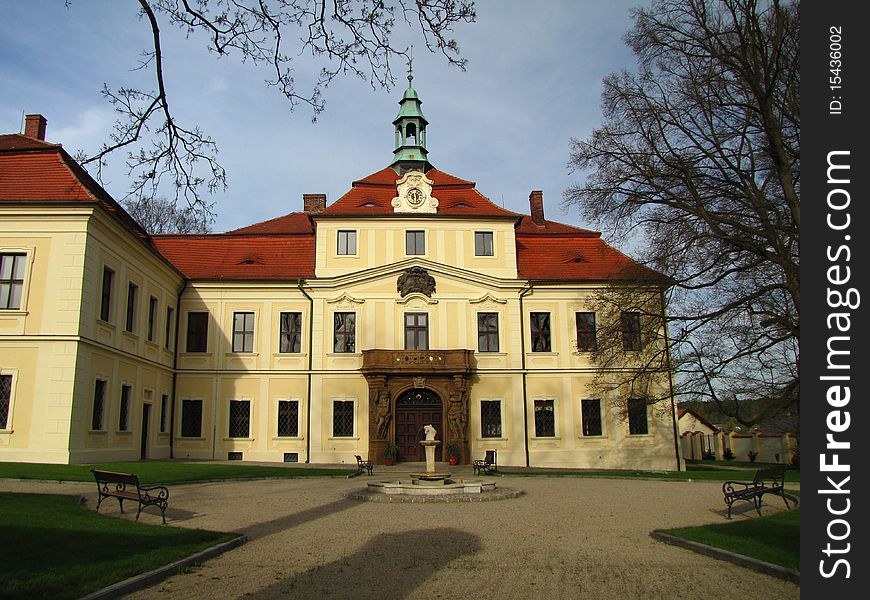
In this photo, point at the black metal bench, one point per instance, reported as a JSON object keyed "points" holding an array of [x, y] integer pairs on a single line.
{"points": [[487, 464], [363, 465], [766, 481], [126, 486]]}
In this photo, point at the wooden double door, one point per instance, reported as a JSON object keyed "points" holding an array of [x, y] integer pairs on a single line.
{"points": [[414, 409]]}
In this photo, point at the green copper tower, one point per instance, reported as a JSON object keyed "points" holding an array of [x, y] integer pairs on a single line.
{"points": [[410, 127]]}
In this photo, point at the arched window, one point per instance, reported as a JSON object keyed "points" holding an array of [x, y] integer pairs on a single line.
{"points": [[411, 133]]}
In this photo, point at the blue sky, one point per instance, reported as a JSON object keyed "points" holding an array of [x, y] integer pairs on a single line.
{"points": [[533, 81]]}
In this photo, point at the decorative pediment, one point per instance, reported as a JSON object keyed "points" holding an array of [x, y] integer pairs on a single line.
{"points": [[415, 279], [345, 301], [414, 194], [416, 300], [488, 300]]}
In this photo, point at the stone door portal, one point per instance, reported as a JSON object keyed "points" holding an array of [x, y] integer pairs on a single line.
{"points": [[414, 409]]}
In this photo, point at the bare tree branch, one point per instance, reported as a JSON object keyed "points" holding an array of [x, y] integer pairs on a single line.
{"points": [[700, 152], [343, 36]]}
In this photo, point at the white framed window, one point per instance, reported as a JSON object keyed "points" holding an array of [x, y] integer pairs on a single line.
{"points": [[288, 418], [7, 398], [191, 418], [415, 243], [132, 298], [344, 332], [343, 418], [490, 419], [487, 332], [346, 242], [243, 332], [107, 288], [13, 266], [239, 419], [164, 407], [638, 421], [152, 316], [591, 420], [483, 243], [545, 418], [98, 408], [124, 408], [290, 341]]}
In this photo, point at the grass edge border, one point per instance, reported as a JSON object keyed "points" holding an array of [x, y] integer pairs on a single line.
{"points": [[732, 557], [137, 582]]}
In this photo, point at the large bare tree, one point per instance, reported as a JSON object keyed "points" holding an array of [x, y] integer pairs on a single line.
{"points": [[337, 37], [698, 162]]}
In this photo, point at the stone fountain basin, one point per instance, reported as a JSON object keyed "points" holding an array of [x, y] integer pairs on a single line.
{"points": [[423, 487]]}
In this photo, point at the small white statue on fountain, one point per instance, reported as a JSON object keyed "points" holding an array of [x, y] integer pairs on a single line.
{"points": [[430, 432]]}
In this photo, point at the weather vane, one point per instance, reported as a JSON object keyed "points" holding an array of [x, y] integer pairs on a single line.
{"points": [[411, 64]]}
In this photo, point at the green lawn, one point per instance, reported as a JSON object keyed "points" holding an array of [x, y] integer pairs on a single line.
{"points": [[699, 475], [57, 549], [734, 463], [161, 472], [774, 539]]}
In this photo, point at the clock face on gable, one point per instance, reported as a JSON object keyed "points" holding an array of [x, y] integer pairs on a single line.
{"points": [[415, 197], [414, 194]]}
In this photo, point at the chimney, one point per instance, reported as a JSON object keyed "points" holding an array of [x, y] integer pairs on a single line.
{"points": [[536, 203], [34, 127], [313, 203]]}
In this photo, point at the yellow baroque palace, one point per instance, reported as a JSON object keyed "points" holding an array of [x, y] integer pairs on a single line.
{"points": [[325, 333]]}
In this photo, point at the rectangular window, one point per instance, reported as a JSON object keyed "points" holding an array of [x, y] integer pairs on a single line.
{"points": [[540, 331], [483, 243], [487, 332], [240, 419], [415, 243], [99, 404], [342, 418], [167, 338], [291, 332], [124, 412], [345, 332], [132, 290], [164, 403], [586, 338], [197, 331], [5, 400], [490, 418], [630, 322], [416, 331], [106, 294], [346, 243], [11, 280], [591, 411], [637, 423], [243, 332], [545, 419], [191, 418], [288, 418], [152, 314]]}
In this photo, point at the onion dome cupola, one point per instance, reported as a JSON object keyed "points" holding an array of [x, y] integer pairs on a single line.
{"points": [[410, 126]]}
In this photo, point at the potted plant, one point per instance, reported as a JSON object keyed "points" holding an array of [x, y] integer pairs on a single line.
{"points": [[453, 453], [391, 454]]}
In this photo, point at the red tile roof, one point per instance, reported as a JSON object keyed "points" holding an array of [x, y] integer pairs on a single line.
{"points": [[35, 171], [239, 257], [297, 222], [283, 248], [580, 257], [373, 195]]}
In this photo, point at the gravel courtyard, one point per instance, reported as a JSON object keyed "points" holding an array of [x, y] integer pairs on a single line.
{"points": [[564, 538]]}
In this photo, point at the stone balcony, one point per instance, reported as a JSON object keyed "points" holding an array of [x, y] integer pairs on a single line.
{"points": [[448, 362]]}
